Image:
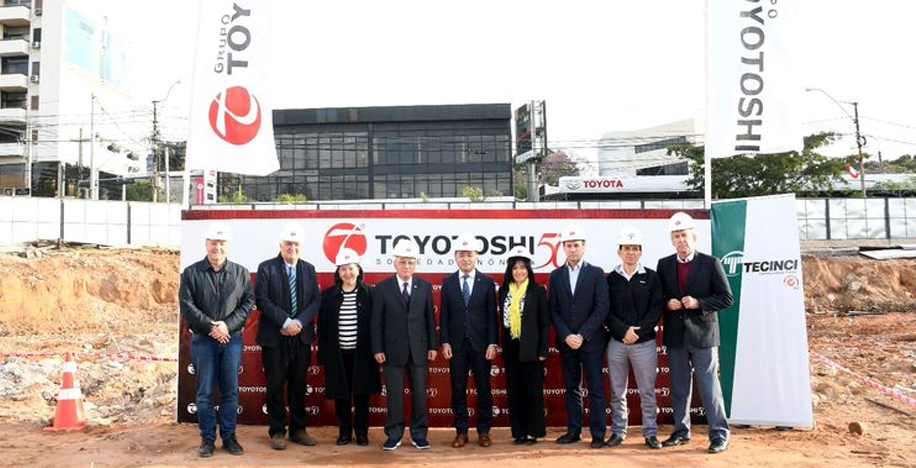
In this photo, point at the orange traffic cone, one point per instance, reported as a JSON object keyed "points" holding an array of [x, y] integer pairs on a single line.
{"points": [[69, 415]]}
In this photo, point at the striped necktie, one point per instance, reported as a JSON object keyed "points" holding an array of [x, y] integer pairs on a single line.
{"points": [[292, 289], [466, 291]]}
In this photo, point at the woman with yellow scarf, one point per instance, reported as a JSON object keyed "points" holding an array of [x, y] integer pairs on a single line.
{"points": [[525, 323]]}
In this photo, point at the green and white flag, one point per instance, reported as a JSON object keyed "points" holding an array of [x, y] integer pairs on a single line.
{"points": [[764, 342]]}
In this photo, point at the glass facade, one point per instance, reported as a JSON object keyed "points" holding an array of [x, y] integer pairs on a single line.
{"points": [[385, 152]]}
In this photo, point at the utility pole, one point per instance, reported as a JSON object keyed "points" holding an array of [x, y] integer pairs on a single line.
{"points": [[168, 185], [155, 143], [93, 175], [28, 153], [860, 141], [154, 180]]}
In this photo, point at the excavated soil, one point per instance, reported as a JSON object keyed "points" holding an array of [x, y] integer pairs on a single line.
{"points": [[106, 302]]}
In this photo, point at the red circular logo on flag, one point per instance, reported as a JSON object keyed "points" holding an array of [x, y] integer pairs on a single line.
{"points": [[235, 115], [343, 235]]}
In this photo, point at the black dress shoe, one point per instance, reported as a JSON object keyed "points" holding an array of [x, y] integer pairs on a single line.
{"points": [[615, 440], [362, 439], [232, 446], [531, 441], [343, 440], [597, 442], [653, 443], [675, 440], [718, 446], [568, 438], [519, 441], [206, 448]]}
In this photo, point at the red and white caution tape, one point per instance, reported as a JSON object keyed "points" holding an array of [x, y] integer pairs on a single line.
{"points": [[895, 394], [116, 356]]}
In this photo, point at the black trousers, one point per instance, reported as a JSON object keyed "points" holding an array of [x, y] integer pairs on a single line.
{"points": [[462, 361], [524, 392], [394, 384], [574, 363], [342, 407], [286, 366]]}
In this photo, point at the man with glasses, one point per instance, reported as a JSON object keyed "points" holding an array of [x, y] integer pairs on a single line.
{"points": [[288, 298], [403, 341]]}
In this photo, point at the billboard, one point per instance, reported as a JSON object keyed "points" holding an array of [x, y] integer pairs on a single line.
{"points": [[524, 134]]}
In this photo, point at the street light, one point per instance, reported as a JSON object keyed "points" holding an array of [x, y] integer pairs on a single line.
{"points": [[860, 140], [155, 143]]}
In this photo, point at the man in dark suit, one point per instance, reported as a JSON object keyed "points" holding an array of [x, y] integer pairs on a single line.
{"points": [[695, 289], [467, 330], [404, 339], [287, 295], [578, 302]]}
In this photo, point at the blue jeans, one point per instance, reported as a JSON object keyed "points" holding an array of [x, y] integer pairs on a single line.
{"points": [[216, 363]]}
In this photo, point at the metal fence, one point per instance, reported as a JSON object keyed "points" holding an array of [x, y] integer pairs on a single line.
{"points": [[117, 223]]}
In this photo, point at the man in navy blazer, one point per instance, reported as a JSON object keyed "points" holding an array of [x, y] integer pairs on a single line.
{"points": [[467, 331], [695, 290], [578, 302], [287, 295], [404, 339]]}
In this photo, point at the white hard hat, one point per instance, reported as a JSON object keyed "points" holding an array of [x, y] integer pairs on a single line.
{"points": [[518, 251], [406, 248], [571, 233], [629, 236], [680, 222], [346, 256], [219, 231], [467, 243], [292, 232]]}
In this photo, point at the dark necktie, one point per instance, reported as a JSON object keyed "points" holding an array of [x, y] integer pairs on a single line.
{"points": [[405, 295], [292, 289], [466, 290]]}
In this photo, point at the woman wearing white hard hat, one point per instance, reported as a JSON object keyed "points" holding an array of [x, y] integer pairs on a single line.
{"points": [[344, 348], [524, 320]]}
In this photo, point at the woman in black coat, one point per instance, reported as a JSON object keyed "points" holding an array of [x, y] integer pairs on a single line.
{"points": [[525, 322], [344, 348]]}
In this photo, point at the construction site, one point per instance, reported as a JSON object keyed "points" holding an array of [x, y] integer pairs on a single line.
{"points": [[116, 311]]}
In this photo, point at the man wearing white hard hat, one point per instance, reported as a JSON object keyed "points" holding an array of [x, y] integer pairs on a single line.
{"points": [[215, 298], [467, 331], [578, 300], [695, 290], [404, 341], [636, 304], [288, 298]]}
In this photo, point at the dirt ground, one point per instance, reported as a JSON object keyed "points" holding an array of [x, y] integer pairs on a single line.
{"points": [[107, 302]]}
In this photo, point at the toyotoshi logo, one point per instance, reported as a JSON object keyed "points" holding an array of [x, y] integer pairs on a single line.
{"points": [[343, 235], [235, 115]]}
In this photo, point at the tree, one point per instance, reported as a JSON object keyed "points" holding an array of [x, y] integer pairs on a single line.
{"points": [[520, 181], [141, 190], [749, 176], [558, 164], [905, 164]]}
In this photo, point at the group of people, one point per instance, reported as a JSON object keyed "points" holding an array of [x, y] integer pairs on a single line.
{"points": [[596, 316]]}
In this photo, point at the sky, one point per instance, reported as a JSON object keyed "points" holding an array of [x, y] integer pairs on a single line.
{"points": [[600, 66]]}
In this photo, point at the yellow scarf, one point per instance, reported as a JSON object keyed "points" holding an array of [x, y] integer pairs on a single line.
{"points": [[516, 293]]}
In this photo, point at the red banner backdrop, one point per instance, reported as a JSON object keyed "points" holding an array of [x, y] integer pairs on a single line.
{"points": [[320, 411]]}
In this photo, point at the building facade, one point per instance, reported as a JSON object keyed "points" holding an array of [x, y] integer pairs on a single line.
{"points": [[63, 78], [645, 151], [386, 152]]}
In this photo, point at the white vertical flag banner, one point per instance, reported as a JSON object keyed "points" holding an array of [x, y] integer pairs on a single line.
{"points": [[751, 88], [231, 121]]}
